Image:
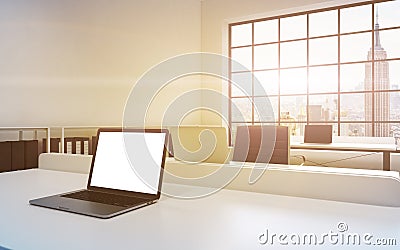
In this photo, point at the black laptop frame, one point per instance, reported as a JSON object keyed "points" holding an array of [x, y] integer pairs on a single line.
{"points": [[123, 192]]}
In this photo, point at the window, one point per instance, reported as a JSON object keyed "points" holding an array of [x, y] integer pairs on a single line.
{"points": [[336, 66]]}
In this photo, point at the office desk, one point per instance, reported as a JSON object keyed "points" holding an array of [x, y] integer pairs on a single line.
{"points": [[225, 220], [386, 149]]}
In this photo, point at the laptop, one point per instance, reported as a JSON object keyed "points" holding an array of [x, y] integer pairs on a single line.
{"points": [[318, 134], [125, 174]]}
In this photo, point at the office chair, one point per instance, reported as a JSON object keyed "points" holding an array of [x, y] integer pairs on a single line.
{"points": [[276, 143], [273, 147]]}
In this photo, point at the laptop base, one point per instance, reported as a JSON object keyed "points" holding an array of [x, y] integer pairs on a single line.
{"points": [[88, 208]]}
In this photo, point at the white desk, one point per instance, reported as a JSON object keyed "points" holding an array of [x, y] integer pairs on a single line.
{"points": [[225, 220], [386, 149]]}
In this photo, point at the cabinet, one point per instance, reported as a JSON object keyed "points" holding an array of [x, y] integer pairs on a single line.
{"points": [[5, 156], [18, 155], [72, 145], [31, 154]]}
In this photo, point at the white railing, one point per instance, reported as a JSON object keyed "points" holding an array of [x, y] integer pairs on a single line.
{"points": [[21, 131], [48, 130]]}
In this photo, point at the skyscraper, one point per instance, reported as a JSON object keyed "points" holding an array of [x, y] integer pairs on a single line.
{"points": [[379, 108]]}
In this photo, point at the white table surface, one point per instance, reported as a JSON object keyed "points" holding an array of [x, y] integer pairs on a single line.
{"points": [[386, 149], [225, 220]]}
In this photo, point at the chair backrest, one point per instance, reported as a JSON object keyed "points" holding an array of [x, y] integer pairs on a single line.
{"points": [[317, 133], [200, 144], [262, 144], [75, 163]]}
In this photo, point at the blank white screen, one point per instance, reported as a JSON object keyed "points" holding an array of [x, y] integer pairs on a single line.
{"points": [[114, 169]]}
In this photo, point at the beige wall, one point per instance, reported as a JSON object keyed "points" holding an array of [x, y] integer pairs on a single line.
{"points": [[73, 62]]}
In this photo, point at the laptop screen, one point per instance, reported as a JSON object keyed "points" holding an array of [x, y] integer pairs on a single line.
{"points": [[129, 161]]}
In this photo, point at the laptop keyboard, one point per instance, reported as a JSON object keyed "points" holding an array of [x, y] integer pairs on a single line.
{"points": [[105, 198]]}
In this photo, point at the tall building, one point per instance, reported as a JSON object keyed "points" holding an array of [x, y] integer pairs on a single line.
{"points": [[379, 108]]}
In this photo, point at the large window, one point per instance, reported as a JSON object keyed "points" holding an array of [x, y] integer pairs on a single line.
{"points": [[338, 66]]}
